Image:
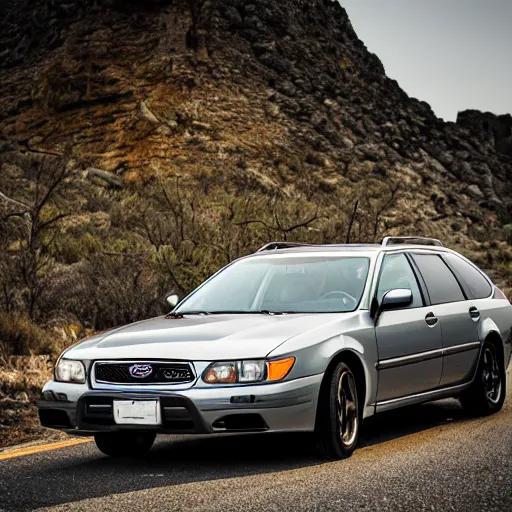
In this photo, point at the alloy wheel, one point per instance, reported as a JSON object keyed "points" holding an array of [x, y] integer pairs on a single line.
{"points": [[491, 376], [346, 407]]}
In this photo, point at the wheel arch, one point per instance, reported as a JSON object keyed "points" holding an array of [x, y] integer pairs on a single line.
{"points": [[354, 361], [493, 337]]}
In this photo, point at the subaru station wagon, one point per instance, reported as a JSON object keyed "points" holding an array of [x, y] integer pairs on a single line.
{"points": [[294, 338]]}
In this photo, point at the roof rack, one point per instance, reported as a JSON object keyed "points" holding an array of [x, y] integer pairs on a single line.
{"points": [[272, 246], [414, 240]]}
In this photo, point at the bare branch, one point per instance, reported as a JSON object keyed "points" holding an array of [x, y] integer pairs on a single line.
{"points": [[16, 203], [304, 224], [394, 190], [14, 214], [123, 254], [248, 222], [54, 185], [352, 219], [283, 230], [53, 220]]}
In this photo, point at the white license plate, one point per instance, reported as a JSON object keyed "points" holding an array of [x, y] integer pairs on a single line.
{"points": [[137, 412]]}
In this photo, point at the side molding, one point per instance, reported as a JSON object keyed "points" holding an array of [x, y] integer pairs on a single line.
{"points": [[386, 364]]}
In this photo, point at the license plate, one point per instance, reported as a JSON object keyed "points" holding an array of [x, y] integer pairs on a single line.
{"points": [[137, 412]]}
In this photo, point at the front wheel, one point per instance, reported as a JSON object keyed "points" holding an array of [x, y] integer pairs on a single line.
{"points": [[124, 444], [338, 416], [487, 393]]}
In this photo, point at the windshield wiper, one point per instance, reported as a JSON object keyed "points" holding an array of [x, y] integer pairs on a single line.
{"points": [[231, 312], [189, 313], [209, 313]]}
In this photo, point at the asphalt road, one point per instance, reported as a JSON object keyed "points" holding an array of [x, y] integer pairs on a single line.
{"points": [[428, 457]]}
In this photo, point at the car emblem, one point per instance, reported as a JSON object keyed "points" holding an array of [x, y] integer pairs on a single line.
{"points": [[140, 371]]}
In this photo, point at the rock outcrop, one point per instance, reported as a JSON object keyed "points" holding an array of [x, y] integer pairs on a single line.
{"points": [[489, 127], [275, 98]]}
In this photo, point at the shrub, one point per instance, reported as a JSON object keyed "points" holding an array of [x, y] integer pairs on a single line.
{"points": [[20, 336]]}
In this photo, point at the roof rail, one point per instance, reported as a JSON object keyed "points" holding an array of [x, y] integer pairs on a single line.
{"points": [[272, 246], [414, 240]]}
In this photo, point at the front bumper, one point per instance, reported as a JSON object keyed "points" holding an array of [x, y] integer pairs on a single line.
{"points": [[284, 406]]}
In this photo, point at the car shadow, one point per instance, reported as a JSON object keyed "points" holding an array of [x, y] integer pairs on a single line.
{"points": [[85, 474], [402, 422]]}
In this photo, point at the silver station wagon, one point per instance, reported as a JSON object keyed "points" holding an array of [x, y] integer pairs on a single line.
{"points": [[293, 338]]}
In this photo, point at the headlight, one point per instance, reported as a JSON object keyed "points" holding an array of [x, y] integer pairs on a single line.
{"points": [[246, 372], [70, 371]]}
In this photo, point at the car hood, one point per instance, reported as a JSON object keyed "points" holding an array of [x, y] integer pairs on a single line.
{"points": [[198, 338]]}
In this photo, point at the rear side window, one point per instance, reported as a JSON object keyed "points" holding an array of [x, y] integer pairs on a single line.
{"points": [[441, 283], [475, 281]]}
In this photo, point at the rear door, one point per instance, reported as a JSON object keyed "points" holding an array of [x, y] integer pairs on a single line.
{"points": [[459, 317], [408, 340], [479, 291]]}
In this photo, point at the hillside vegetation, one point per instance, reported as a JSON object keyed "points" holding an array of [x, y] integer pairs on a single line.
{"points": [[144, 144]]}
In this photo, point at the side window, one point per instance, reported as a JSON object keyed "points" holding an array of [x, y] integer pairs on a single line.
{"points": [[475, 281], [441, 283], [396, 272]]}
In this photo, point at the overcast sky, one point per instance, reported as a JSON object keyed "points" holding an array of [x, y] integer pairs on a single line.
{"points": [[453, 54]]}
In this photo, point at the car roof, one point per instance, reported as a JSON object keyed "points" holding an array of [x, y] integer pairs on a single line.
{"points": [[308, 249], [352, 249]]}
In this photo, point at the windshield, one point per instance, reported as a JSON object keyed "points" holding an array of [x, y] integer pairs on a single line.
{"points": [[278, 285]]}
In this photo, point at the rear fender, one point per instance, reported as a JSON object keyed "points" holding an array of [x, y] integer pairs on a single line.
{"points": [[489, 328]]}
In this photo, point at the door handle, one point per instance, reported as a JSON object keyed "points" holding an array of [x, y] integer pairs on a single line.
{"points": [[474, 313], [431, 320]]}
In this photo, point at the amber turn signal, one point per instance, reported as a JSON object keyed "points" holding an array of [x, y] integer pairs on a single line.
{"points": [[278, 370]]}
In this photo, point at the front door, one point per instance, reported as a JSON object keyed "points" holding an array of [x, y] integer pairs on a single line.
{"points": [[409, 340]]}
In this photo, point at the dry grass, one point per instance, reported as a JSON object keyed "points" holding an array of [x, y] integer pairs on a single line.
{"points": [[19, 335], [23, 376], [21, 380]]}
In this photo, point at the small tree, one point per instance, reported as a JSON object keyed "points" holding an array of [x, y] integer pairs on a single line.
{"points": [[29, 224], [365, 221]]}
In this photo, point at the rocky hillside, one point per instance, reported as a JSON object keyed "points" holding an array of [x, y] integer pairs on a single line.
{"points": [[490, 128], [194, 131]]}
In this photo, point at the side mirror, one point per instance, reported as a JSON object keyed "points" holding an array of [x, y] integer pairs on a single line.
{"points": [[394, 299], [172, 300]]}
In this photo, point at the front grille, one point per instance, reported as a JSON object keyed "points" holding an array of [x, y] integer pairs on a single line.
{"points": [[143, 373]]}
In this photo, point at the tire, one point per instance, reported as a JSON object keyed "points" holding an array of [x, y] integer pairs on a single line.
{"points": [[124, 444], [339, 417], [487, 392]]}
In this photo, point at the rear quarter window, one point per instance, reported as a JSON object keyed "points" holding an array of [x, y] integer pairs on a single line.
{"points": [[441, 283], [474, 279]]}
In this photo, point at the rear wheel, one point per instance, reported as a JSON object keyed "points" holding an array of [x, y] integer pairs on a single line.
{"points": [[124, 444], [338, 416], [487, 393]]}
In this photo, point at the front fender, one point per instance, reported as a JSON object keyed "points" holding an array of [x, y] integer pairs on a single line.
{"points": [[316, 349], [335, 348]]}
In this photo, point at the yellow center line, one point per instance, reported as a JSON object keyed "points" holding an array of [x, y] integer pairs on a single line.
{"points": [[30, 450]]}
